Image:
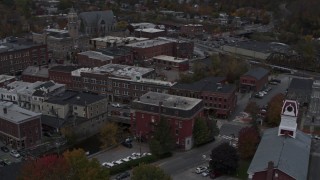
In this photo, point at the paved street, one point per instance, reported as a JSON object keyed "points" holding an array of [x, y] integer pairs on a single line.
{"points": [[314, 164]]}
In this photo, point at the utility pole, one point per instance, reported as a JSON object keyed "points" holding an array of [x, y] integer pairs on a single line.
{"points": [[140, 144]]}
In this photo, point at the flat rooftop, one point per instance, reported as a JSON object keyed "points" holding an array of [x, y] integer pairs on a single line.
{"points": [[117, 70], [169, 101], [149, 30], [15, 44], [97, 55], [148, 43], [118, 39], [15, 113], [170, 58], [36, 71], [194, 25], [4, 78], [143, 25], [265, 47]]}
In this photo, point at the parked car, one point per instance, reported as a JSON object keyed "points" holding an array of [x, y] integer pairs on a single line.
{"points": [[7, 161], [206, 173], [257, 95], [127, 159], [276, 80], [108, 164], [118, 162], [273, 83], [316, 137], [127, 144], [201, 169], [137, 155], [4, 149], [123, 175], [14, 153], [268, 89], [117, 105], [167, 68]]}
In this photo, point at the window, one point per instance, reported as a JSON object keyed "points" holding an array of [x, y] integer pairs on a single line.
{"points": [[93, 81], [225, 100], [211, 98], [177, 131], [85, 80], [142, 116], [224, 106], [180, 124], [125, 93], [116, 91]]}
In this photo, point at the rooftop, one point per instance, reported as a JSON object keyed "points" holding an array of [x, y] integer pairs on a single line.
{"points": [[36, 71], [169, 101], [14, 44], [150, 30], [96, 55], [289, 155], [148, 43], [112, 39], [143, 25], [257, 73], [170, 58], [15, 113], [75, 98], [199, 25], [117, 70], [211, 84], [300, 84], [62, 68], [4, 78], [115, 51]]}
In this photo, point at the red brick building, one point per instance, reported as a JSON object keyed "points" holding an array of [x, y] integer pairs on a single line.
{"points": [[16, 55], [254, 80], [147, 49], [191, 30], [219, 98], [181, 113], [180, 48], [93, 59], [35, 73], [62, 74], [19, 128], [149, 33], [121, 55], [180, 64]]}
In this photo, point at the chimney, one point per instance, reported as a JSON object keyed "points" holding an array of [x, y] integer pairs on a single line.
{"points": [[5, 110], [270, 170], [174, 104]]}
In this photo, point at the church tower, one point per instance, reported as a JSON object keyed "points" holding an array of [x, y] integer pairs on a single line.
{"points": [[289, 115], [73, 24]]}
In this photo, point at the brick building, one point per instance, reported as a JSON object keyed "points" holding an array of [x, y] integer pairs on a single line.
{"points": [[219, 98], [180, 64], [19, 128], [147, 49], [181, 113], [93, 59], [112, 41], [62, 74], [150, 33], [181, 48], [118, 82], [121, 55], [35, 73], [254, 80], [18, 54], [191, 30]]}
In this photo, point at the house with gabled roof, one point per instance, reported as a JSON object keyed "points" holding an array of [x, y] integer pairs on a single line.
{"points": [[254, 80], [284, 151]]}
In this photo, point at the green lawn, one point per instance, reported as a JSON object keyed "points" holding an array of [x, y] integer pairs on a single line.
{"points": [[242, 170]]}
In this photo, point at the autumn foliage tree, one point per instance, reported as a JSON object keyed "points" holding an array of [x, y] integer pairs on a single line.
{"points": [[48, 167], [249, 139], [224, 159], [73, 165], [147, 171], [273, 116], [109, 135]]}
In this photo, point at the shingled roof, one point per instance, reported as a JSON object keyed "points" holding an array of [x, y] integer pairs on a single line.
{"points": [[207, 84], [257, 73]]}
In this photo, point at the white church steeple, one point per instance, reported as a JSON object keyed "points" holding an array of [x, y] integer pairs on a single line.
{"points": [[289, 115]]}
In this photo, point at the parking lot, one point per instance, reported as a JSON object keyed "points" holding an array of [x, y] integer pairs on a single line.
{"points": [[7, 156]]}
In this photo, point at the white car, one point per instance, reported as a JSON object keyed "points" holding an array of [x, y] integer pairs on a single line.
{"points": [[118, 162], [14, 153], [127, 159], [117, 105], [137, 155], [317, 137], [107, 164], [205, 173], [201, 169], [133, 157]]}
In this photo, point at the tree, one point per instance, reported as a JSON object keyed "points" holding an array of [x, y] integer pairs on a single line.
{"points": [[109, 134], [249, 139], [224, 159], [273, 116], [162, 142], [47, 167], [200, 132], [147, 171], [64, 4], [213, 128], [81, 168]]}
